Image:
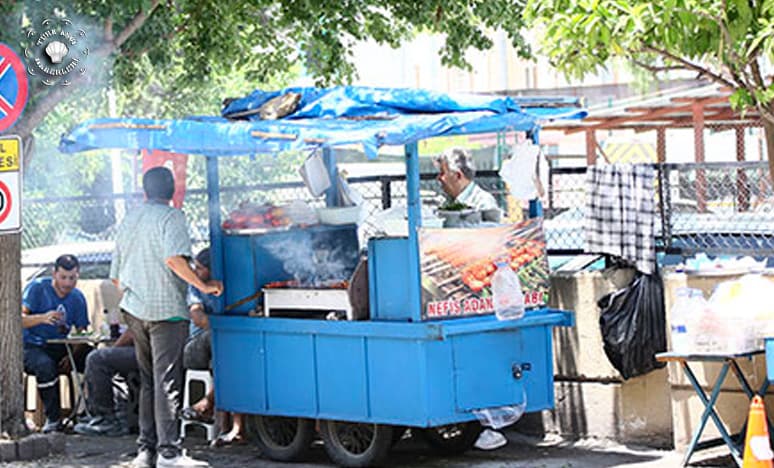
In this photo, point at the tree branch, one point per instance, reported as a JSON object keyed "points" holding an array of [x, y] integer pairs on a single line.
{"points": [[690, 65], [134, 25], [657, 68], [34, 115], [729, 42], [756, 74], [108, 30]]}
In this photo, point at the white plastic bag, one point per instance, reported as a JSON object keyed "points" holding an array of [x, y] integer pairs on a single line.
{"points": [[729, 323], [501, 416], [523, 173]]}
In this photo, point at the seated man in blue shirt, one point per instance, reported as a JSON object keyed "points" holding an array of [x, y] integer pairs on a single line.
{"points": [[50, 308]]}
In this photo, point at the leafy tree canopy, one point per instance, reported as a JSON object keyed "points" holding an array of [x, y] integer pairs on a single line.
{"points": [[728, 41], [197, 40]]}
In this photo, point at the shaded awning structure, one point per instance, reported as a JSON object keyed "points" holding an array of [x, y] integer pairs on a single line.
{"points": [[327, 117], [698, 108]]}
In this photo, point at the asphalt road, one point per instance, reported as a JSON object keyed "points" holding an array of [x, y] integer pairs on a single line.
{"points": [[520, 452]]}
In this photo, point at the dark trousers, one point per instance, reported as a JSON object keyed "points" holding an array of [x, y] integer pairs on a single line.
{"points": [[43, 363], [197, 354], [102, 366], [159, 350]]}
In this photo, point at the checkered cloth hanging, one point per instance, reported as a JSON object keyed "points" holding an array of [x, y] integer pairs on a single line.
{"points": [[620, 213]]}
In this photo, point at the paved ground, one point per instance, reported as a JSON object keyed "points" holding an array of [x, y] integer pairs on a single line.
{"points": [[521, 452]]}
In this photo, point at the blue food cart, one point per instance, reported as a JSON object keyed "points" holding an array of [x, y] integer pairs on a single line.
{"points": [[358, 383]]}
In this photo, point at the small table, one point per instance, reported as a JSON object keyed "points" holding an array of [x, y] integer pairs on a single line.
{"points": [[729, 362], [68, 343]]}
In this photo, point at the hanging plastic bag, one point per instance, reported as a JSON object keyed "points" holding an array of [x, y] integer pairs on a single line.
{"points": [[523, 173], [633, 325], [502, 416]]}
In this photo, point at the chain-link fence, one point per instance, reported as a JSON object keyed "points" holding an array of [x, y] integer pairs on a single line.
{"points": [[711, 207], [49, 221], [717, 208]]}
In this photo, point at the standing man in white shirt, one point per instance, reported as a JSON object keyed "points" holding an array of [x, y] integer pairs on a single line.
{"points": [[456, 174]]}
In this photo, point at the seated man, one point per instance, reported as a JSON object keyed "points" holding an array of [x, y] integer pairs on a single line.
{"points": [[50, 308], [102, 365], [456, 173], [197, 354]]}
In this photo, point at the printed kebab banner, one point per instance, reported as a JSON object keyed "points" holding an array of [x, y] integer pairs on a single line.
{"points": [[176, 163], [457, 266]]}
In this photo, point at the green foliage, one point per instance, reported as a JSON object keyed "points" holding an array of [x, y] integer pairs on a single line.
{"points": [[728, 41], [187, 55], [209, 38]]}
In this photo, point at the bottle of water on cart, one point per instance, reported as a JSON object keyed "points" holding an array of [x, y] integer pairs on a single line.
{"points": [[506, 293]]}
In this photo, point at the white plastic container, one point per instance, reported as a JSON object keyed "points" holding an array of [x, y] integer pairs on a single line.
{"points": [[507, 294], [339, 215], [682, 340]]}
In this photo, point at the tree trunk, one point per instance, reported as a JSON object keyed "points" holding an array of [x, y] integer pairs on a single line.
{"points": [[768, 129], [11, 388]]}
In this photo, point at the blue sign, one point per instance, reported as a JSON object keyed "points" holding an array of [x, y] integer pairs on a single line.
{"points": [[14, 87]]}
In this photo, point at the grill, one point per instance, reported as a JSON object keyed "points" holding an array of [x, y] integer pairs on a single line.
{"points": [[306, 302]]}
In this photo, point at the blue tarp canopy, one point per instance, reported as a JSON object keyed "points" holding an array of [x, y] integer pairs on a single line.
{"points": [[337, 116]]}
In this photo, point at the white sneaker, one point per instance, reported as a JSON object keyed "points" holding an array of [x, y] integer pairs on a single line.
{"points": [[182, 460], [490, 440]]}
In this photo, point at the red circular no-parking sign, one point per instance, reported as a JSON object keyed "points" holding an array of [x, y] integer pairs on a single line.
{"points": [[14, 87], [5, 201]]}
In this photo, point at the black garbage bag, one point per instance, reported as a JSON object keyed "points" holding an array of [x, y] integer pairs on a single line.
{"points": [[633, 325]]}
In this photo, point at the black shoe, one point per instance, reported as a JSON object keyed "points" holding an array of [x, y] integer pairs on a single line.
{"points": [[52, 426]]}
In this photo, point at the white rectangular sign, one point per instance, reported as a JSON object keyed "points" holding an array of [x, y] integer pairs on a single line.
{"points": [[10, 184]]}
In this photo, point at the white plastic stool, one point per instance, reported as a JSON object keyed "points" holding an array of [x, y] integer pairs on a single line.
{"points": [[204, 377]]}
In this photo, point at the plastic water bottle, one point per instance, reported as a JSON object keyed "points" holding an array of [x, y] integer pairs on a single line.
{"points": [[507, 294], [682, 339]]}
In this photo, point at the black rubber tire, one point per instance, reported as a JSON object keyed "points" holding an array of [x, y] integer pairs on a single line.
{"points": [[283, 439], [452, 439], [356, 444]]}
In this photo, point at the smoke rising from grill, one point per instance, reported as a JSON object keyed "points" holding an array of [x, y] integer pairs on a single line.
{"points": [[312, 264]]}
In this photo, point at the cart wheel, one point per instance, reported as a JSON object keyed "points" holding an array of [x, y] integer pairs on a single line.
{"points": [[283, 439], [452, 439], [356, 444]]}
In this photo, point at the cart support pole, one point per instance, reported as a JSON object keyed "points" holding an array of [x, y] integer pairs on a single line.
{"points": [[216, 238], [414, 223], [332, 193], [535, 206]]}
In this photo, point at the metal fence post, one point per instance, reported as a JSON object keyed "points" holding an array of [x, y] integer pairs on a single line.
{"points": [[665, 200], [386, 185]]}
